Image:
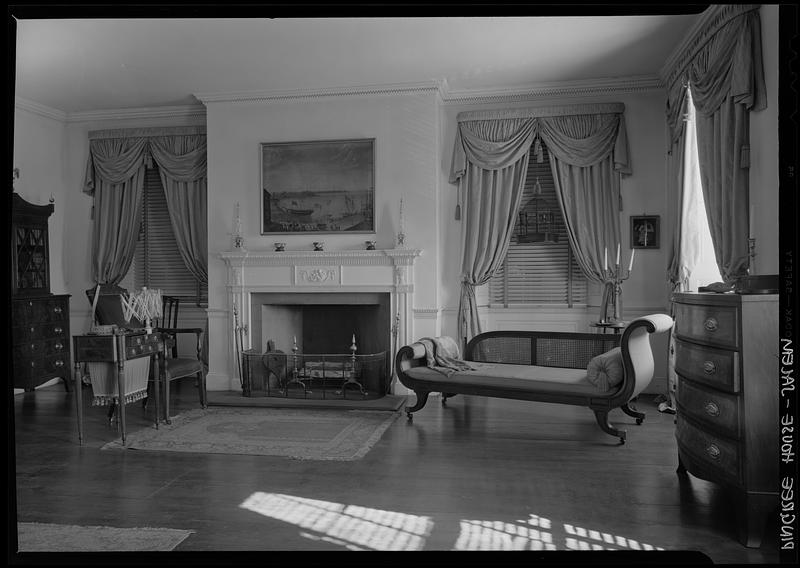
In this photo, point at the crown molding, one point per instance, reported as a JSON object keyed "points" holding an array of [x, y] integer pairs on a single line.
{"points": [[40, 109], [589, 87], [297, 94], [183, 111]]}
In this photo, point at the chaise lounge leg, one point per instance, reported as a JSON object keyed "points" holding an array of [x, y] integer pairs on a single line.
{"points": [[633, 413], [422, 398], [446, 395], [602, 420]]}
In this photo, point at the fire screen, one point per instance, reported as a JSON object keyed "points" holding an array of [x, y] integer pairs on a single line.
{"points": [[313, 376]]}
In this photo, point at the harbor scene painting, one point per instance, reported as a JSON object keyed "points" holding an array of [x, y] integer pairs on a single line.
{"points": [[318, 187]]}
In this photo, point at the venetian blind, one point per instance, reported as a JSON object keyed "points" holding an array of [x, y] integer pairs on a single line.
{"points": [[157, 262], [539, 272]]}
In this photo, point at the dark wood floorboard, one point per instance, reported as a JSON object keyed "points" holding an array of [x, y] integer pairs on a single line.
{"points": [[477, 461]]}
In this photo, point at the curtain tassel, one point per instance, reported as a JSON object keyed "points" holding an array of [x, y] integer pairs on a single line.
{"points": [[744, 157]]}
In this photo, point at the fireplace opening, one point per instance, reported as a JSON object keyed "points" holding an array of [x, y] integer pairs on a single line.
{"points": [[342, 345]]}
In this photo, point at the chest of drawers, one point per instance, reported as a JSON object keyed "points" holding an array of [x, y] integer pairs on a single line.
{"points": [[726, 360], [40, 340]]}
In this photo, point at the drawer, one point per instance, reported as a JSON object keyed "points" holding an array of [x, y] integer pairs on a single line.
{"points": [[718, 410], [40, 331], [720, 456], [712, 325], [41, 348], [40, 310], [718, 368], [42, 368]]}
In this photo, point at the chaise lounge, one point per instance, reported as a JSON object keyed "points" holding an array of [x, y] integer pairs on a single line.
{"points": [[600, 371]]}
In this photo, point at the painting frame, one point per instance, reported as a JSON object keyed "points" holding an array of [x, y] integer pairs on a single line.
{"points": [[645, 231], [318, 187]]}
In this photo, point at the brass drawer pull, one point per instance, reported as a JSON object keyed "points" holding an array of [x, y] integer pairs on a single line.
{"points": [[58, 346], [709, 367], [59, 363], [58, 330], [713, 452], [711, 324], [57, 310], [712, 409]]}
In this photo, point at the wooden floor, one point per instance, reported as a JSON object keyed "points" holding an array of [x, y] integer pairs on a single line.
{"points": [[478, 474]]}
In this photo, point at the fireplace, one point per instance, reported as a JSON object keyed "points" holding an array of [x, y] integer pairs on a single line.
{"points": [[320, 300]]}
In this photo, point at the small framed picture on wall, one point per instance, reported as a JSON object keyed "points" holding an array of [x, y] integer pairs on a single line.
{"points": [[646, 231]]}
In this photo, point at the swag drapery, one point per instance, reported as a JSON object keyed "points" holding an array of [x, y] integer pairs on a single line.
{"points": [[588, 151], [722, 63], [115, 178]]}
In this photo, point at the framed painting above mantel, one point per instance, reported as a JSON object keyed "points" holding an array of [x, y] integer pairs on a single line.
{"points": [[320, 186]]}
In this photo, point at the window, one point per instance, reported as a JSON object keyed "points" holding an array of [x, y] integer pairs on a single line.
{"points": [[539, 267], [697, 249], [157, 262]]}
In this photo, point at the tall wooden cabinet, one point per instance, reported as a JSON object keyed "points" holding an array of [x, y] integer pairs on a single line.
{"points": [[726, 360], [39, 319]]}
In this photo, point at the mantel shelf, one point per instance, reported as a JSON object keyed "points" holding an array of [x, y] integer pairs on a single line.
{"points": [[310, 257]]}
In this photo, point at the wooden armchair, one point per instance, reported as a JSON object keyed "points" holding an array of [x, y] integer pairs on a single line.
{"points": [[177, 366]]}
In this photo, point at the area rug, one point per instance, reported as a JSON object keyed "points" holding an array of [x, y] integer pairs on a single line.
{"points": [[294, 433], [46, 537]]}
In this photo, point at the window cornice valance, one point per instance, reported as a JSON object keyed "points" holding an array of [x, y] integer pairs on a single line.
{"points": [[579, 135], [148, 132], [541, 112], [707, 26]]}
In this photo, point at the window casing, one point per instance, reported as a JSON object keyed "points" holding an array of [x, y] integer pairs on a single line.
{"points": [[543, 272]]}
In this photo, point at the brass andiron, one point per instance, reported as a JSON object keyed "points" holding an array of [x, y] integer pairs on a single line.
{"points": [[294, 379], [351, 380]]}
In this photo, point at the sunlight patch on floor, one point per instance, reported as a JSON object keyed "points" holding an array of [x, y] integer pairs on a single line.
{"points": [[351, 526], [536, 533]]}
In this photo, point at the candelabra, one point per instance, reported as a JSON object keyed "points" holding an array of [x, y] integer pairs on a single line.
{"points": [[611, 309]]}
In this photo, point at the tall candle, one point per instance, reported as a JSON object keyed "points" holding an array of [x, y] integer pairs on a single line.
{"points": [[605, 258], [402, 221], [238, 221], [354, 338], [617, 263], [630, 264]]}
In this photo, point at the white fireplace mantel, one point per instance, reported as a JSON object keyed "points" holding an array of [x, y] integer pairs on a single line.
{"points": [[256, 272]]}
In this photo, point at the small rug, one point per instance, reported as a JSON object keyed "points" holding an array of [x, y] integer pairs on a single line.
{"points": [[46, 537], [294, 433]]}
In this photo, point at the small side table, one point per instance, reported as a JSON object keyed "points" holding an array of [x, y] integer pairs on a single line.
{"points": [[615, 327], [116, 349]]}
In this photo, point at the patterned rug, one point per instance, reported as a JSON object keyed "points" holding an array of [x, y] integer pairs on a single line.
{"points": [[46, 537], [293, 433]]}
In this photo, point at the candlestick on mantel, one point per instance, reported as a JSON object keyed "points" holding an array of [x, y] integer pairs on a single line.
{"points": [[238, 239], [401, 233]]}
